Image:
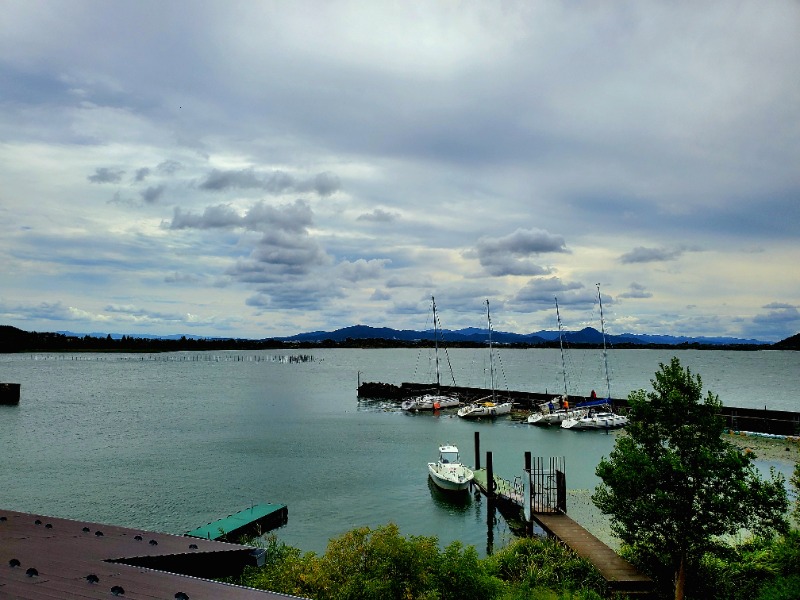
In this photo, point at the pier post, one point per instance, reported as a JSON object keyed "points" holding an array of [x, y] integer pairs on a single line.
{"points": [[490, 484], [477, 450], [528, 461]]}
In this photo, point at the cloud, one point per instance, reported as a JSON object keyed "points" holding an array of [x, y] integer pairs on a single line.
{"points": [[289, 217], [152, 194], [106, 175], [361, 269], [779, 322], [540, 294], [378, 216], [641, 254], [169, 167], [275, 183], [508, 255], [636, 290], [141, 174]]}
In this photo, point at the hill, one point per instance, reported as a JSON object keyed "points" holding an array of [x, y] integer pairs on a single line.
{"points": [[13, 339]]}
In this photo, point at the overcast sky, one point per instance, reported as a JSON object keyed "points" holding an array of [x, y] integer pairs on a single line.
{"points": [[257, 169]]}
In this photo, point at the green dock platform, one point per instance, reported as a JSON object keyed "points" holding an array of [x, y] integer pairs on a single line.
{"points": [[256, 520]]}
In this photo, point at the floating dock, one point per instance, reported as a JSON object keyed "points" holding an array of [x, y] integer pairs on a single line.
{"points": [[256, 520]]}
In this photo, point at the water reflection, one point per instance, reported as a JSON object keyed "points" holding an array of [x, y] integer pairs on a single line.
{"points": [[450, 502]]}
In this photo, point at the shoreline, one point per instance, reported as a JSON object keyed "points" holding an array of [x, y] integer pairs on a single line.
{"points": [[772, 449]]}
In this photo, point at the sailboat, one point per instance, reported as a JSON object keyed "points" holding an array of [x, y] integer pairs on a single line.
{"points": [[435, 400], [599, 419], [486, 407], [557, 410]]}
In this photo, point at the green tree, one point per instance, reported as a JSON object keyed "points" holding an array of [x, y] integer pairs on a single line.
{"points": [[673, 485]]}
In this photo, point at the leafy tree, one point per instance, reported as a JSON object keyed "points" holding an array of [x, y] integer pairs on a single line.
{"points": [[673, 485]]}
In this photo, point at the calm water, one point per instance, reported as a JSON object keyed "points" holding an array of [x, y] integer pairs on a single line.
{"points": [[172, 441]]}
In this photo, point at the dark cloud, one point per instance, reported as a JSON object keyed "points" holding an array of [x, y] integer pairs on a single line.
{"points": [[152, 194], [636, 290], [275, 183], [169, 167], [361, 269], [540, 294], [106, 175], [781, 320], [300, 295], [378, 216], [141, 174], [509, 255], [640, 254], [289, 217]]}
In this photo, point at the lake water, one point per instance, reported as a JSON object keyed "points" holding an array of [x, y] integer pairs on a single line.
{"points": [[170, 442]]}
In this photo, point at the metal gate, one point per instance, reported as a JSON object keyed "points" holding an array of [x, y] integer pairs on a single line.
{"points": [[545, 486]]}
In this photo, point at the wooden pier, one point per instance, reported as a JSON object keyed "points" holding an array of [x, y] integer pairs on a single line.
{"points": [[539, 496]]}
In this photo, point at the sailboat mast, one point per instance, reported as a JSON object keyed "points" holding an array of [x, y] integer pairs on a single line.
{"points": [[491, 356], [435, 341], [605, 353], [561, 345]]}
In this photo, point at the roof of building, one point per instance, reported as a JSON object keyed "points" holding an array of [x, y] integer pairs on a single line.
{"points": [[45, 557]]}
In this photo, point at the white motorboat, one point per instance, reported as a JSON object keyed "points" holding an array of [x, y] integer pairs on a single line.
{"points": [[484, 408], [448, 473], [429, 402], [596, 420]]}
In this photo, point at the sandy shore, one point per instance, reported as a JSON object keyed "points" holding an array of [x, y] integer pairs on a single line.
{"points": [[770, 449]]}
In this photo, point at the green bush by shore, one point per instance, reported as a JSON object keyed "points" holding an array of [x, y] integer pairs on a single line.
{"points": [[373, 564]]}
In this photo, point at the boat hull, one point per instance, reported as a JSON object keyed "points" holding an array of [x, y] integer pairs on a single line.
{"points": [[488, 410], [556, 417], [598, 421], [429, 402], [457, 480]]}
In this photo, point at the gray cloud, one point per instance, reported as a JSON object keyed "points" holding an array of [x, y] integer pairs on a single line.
{"points": [[153, 193], [378, 216], [169, 167], [276, 182], [540, 294], [640, 254], [141, 174], [636, 290], [294, 217], [508, 255], [361, 269], [106, 175]]}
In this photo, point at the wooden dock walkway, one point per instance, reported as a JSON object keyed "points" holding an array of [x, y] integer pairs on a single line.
{"points": [[620, 575]]}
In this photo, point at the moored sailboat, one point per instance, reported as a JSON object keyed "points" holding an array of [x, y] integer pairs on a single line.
{"points": [[489, 406], [557, 410], [434, 400], [599, 419]]}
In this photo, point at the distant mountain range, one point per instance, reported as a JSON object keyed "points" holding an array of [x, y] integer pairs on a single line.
{"points": [[13, 339], [473, 335]]}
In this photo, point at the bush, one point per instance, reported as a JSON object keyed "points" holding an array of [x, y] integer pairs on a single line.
{"points": [[533, 565]]}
